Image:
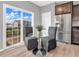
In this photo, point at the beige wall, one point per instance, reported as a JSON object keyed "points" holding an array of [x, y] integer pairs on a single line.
{"points": [[1, 26]]}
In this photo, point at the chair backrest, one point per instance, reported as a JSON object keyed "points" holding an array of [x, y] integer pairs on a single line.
{"points": [[52, 32], [28, 31]]}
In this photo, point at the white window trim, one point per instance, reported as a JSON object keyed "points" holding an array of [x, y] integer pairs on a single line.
{"points": [[4, 24]]}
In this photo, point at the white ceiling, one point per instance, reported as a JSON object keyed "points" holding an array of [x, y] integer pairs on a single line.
{"points": [[42, 3]]}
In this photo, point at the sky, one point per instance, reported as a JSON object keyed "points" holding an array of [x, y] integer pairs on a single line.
{"points": [[13, 14]]}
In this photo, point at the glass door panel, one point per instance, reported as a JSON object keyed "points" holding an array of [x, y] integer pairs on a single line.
{"points": [[27, 23], [13, 22]]}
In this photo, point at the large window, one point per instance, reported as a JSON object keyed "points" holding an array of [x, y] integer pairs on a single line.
{"points": [[16, 20]]}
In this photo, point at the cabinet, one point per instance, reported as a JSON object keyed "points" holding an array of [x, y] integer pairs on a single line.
{"points": [[75, 25]]}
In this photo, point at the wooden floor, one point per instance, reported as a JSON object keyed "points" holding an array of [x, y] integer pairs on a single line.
{"points": [[62, 50]]}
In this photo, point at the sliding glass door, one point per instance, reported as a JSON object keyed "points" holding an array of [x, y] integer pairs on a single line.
{"points": [[14, 22]]}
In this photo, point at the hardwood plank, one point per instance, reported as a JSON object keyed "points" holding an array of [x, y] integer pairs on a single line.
{"points": [[62, 50]]}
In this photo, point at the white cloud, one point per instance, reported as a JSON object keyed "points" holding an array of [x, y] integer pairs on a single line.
{"points": [[26, 17]]}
